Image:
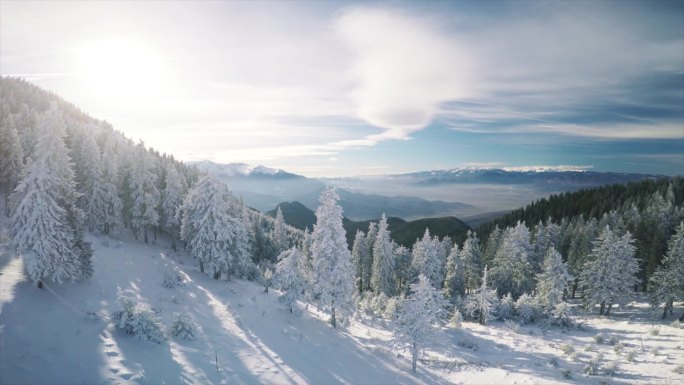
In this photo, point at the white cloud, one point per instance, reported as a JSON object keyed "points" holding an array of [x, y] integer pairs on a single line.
{"points": [[403, 68]]}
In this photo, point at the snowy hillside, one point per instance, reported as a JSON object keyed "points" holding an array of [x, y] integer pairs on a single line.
{"points": [[49, 338]]}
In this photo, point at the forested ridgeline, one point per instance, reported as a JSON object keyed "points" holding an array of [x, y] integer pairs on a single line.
{"points": [[649, 210]]}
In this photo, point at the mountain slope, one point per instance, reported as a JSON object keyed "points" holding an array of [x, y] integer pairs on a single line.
{"points": [[47, 338]]}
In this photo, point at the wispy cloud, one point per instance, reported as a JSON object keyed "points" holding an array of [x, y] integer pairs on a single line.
{"points": [[403, 68]]}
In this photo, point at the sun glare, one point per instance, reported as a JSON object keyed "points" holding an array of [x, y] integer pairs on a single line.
{"points": [[120, 68]]}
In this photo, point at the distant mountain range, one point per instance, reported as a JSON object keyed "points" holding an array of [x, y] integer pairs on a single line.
{"points": [[403, 232], [460, 192], [264, 188]]}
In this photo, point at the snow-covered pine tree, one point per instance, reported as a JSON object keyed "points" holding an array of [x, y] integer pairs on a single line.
{"points": [[668, 280], [333, 273], [471, 258], [512, 271], [418, 316], [482, 303], [402, 268], [454, 283], [288, 277], [382, 278], [581, 242], [90, 180], [492, 245], [359, 257], [172, 198], [279, 234], [144, 193], [111, 215], [426, 260], [46, 225], [553, 281], [11, 158], [368, 262], [611, 270], [216, 238]]}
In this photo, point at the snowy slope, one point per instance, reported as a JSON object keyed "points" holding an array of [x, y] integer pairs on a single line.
{"points": [[47, 338]]}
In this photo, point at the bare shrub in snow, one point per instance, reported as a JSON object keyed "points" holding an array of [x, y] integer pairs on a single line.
{"points": [[566, 373], [456, 319], [183, 327], [527, 308], [592, 367], [654, 332], [138, 318], [468, 344], [679, 369], [506, 308], [567, 349], [613, 340], [631, 356], [173, 278], [610, 369], [599, 338], [512, 326], [618, 348]]}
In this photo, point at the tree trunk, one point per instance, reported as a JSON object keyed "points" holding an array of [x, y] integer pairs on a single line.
{"points": [[574, 288], [603, 306], [217, 274], [670, 305], [681, 319], [333, 321], [665, 310], [608, 310], [414, 356], [39, 284], [145, 234], [173, 242], [201, 266]]}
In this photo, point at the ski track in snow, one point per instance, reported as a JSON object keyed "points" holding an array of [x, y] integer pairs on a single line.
{"points": [[48, 339]]}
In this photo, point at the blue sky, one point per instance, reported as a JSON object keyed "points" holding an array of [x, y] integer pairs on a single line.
{"points": [[345, 88]]}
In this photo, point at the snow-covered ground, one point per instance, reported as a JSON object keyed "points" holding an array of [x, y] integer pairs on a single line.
{"points": [[246, 336]]}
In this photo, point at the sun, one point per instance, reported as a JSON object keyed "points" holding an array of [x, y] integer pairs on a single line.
{"points": [[121, 68]]}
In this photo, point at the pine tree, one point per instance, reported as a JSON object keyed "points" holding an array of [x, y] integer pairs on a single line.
{"points": [[46, 225], [426, 260], [382, 278], [402, 268], [610, 272], [11, 158], [91, 181], [418, 316], [368, 262], [172, 198], [492, 245], [144, 193], [279, 234], [332, 266], [111, 215], [471, 258], [482, 303], [581, 243], [359, 257], [288, 277], [215, 237], [553, 281], [668, 280], [512, 271], [454, 283]]}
